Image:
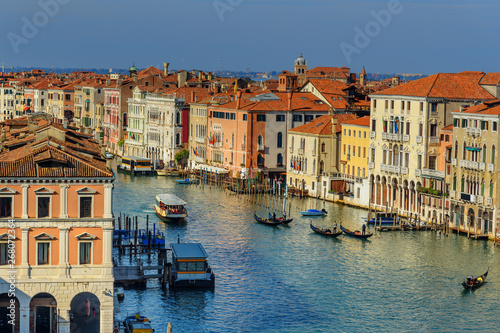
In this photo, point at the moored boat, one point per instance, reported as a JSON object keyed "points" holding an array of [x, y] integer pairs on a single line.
{"points": [[471, 283], [266, 221], [282, 219], [313, 212], [325, 232], [187, 181], [136, 165], [356, 234], [189, 267], [169, 206], [383, 220], [137, 324]]}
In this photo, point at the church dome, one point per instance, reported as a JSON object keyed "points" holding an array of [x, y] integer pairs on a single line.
{"points": [[300, 61]]}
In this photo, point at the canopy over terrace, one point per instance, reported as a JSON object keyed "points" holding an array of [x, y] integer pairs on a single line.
{"points": [[211, 169]]}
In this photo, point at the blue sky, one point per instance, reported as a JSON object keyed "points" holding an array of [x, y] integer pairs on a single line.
{"points": [[418, 37]]}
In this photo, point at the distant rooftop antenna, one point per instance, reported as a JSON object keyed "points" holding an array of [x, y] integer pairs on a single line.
{"points": [[110, 70], [220, 66], [5, 66]]}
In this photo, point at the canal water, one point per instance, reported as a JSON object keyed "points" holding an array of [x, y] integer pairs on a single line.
{"points": [[288, 279]]}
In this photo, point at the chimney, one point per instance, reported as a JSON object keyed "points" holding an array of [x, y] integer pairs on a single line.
{"points": [[290, 100], [209, 78], [216, 89], [200, 76], [238, 100], [108, 82], [193, 72], [165, 69], [193, 97], [136, 79]]}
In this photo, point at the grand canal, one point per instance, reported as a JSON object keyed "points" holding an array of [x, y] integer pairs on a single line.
{"points": [[288, 279]]}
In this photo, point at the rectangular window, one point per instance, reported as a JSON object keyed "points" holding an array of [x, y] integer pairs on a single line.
{"points": [[402, 105], [374, 125], [432, 162], [43, 253], [374, 103], [244, 117], [86, 207], [386, 104], [261, 117], [392, 105], [85, 253], [4, 255], [419, 162], [297, 117], [373, 155], [5, 207], [364, 152], [233, 116], [420, 129], [455, 122], [280, 117], [421, 106], [43, 206], [308, 117], [408, 105], [434, 107], [494, 126]]}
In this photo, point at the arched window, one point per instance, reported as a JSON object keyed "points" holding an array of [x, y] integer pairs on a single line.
{"points": [[484, 153], [323, 147], [493, 154], [125, 119], [178, 139], [232, 140], [260, 160], [464, 152], [314, 167], [454, 183], [178, 118], [456, 149], [280, 140], [462, 187], [491, 189], [292, 141], [244, 139], [396, 155], [280, 160], [321, 167], [482, 187], [260, 139]]}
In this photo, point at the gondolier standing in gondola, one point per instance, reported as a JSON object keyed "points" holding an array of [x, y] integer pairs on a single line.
{"points": [[363, 229]]}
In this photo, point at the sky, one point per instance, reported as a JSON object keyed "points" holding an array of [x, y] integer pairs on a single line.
{"points": [[407, 36]]}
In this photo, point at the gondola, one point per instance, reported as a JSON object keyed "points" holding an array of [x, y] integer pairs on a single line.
{"points": [[324, 232], [267, 221], [471, 284], [283, 221], [357, 233], [314, 212]]}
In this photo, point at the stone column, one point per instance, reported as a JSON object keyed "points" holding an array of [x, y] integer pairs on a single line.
{"points": [[25, 201], [24, 317], [63, 313], [64, 201], [24, 254], [63, 251], [108, 201], [375, 186], [107, 245]]}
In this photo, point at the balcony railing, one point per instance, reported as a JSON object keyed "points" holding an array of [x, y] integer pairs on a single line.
{"points": [[432, 173], [489, 201], [384, 135], [406, 137], [300, 151], [482, 166], [452, 194], [473, 131], [390, 168], [454, 161], [468, 197], [199, 140], [262, 148], [243, 146], [404, 170], [391, 136], [372, 134], [371, 165], [418, 172], [491, 167], [479, 199], [433, 140], [419, 139]]}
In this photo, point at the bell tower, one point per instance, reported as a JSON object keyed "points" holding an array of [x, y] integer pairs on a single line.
{"points": [[300, 69]]}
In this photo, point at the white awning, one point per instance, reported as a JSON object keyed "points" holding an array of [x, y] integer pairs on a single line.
{"points": [[211, 169]]}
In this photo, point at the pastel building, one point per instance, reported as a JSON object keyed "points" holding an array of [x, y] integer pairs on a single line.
{"points": [[56, 213]]}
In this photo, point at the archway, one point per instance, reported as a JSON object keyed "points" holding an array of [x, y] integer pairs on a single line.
{"points": [[7, 308], [43, 306], [80, 322], [470, 215]]}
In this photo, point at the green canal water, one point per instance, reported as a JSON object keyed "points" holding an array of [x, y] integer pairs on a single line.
{"points": [[288, 279]]}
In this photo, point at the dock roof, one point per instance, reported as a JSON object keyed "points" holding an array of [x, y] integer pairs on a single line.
{"points": [[188, 251]]}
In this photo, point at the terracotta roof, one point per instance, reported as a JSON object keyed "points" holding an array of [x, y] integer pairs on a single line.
{"points": [[363, 121], [464, 85], [150, 70], [491, 79], [329, 72], [448, 128], [490, 107], [323, 125]]}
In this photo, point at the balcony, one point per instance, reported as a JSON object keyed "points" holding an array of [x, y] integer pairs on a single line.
{"points": [[372, 134], [468, 197], [300, 151], [404, 170], [491, 167], [406, 137], [385, 135], [434, 140], [432, 173], [243, 146], [473, 131], [390, 168], [391, 136], [199, 140], [454, 161], [418, 172], [371, 165], [419, 139], [489, 201], [452, 194], [263, 147], [482, 166], [199, 159], [479, 199]]}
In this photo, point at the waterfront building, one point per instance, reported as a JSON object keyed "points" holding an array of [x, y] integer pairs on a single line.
{"points": [[55, 199], [313, 154], [7, 102], [404, 136], [337, 94], [87, 95], [474, 191], [249, 135], [61, 101]]}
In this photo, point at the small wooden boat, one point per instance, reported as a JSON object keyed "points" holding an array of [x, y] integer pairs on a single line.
{"points": [[313, 212], [471, 283], [187, 181], [356, 234], [325, 232], [280, 219], [137, 324], [383, 221], [266, 221]]}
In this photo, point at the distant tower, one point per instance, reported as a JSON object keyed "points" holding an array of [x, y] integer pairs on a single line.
{"points": [[362, 77], [300, 69], [133, 71]]}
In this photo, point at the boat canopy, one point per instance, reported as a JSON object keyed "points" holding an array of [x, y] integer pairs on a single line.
{"points": [[211, 169], [170, 199], [136, 158], [188, 251]]}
